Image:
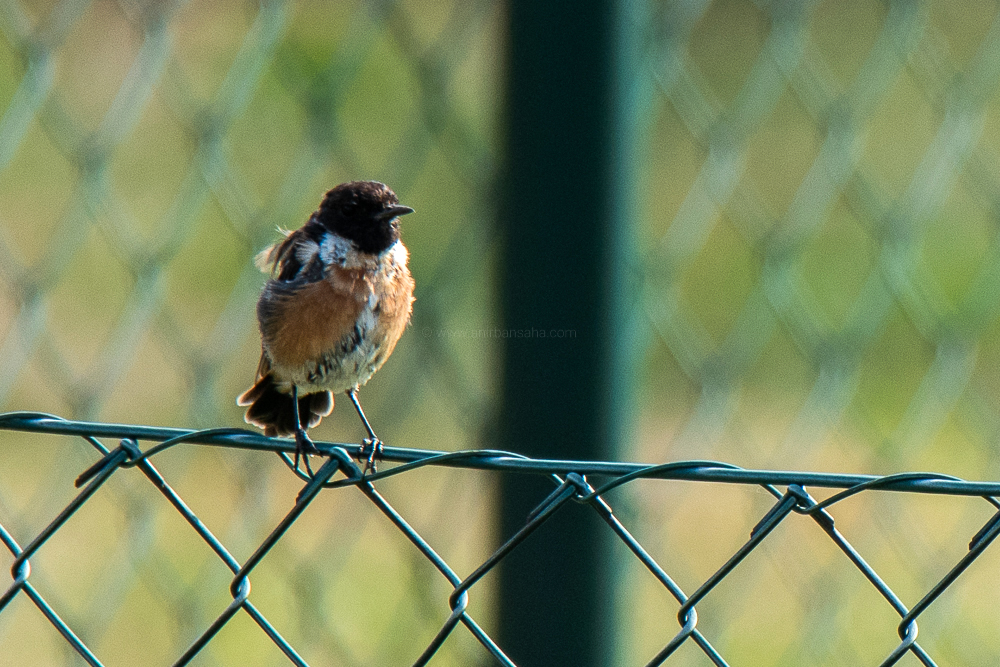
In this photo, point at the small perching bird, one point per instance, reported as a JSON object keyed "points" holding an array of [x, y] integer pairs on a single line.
{"points": [[338, 299]]}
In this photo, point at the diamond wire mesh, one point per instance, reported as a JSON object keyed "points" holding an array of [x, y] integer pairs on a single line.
{"points": [[149, 149], [820, 292], [570, 484], [818, 253]]}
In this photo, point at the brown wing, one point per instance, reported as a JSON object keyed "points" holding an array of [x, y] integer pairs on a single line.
{"points": [[264, 367], [253, 393]]}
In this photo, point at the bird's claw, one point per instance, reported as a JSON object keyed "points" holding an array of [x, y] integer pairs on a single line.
{"points": [[304, 448], [373, 447]]}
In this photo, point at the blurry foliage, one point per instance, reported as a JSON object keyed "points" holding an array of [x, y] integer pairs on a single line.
{"points": [[819, 261], [821, 276], [147, 151]]}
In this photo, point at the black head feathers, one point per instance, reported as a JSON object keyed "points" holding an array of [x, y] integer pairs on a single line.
{"points": [[365, 212]]}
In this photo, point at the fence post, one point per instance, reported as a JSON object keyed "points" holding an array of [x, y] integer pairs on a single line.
{"points": [[567, 299]]}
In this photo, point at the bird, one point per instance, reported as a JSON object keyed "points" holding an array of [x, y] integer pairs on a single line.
{"points": [[337, 301]]}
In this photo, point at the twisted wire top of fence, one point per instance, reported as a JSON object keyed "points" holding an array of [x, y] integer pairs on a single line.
{"points": [[486, 459]]}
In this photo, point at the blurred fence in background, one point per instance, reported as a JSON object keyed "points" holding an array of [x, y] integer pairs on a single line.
{"points": [[147, 151], [817, 277], [821, 282]]}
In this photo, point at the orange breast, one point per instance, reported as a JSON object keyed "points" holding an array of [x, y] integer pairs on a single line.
{"points": [[395, 299], [315, 318]]}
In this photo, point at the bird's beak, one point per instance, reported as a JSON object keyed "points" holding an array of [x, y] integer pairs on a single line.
{"points": [[394, 211]]}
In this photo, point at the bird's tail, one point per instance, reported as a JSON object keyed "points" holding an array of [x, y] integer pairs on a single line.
{"points": [[273, 410]]}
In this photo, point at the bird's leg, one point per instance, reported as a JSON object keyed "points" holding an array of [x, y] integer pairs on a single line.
{"points": [[304, 447], [372, 439]]}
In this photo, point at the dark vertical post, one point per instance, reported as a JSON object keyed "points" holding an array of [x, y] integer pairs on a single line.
{"points": [[567, 204]]}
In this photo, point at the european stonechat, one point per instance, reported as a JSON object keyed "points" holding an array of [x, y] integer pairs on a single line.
{"points": [[338, 299]]}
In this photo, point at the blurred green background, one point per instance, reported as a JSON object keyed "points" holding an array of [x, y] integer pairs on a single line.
{"points": [[818, 265]]}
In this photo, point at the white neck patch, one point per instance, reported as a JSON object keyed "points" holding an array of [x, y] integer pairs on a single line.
{"points": [[334, 249], [397, 251]]}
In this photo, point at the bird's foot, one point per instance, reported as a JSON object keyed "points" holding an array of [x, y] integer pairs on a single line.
{"points": [[304, 448], [372, 447]]}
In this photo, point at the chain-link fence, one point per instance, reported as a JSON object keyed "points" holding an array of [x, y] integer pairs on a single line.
{"points": [[149, 150], [820, 281], [817, 290], [570, 483]]}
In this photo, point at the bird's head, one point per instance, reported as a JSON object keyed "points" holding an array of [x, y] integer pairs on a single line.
{"points": [[364, 212]]}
